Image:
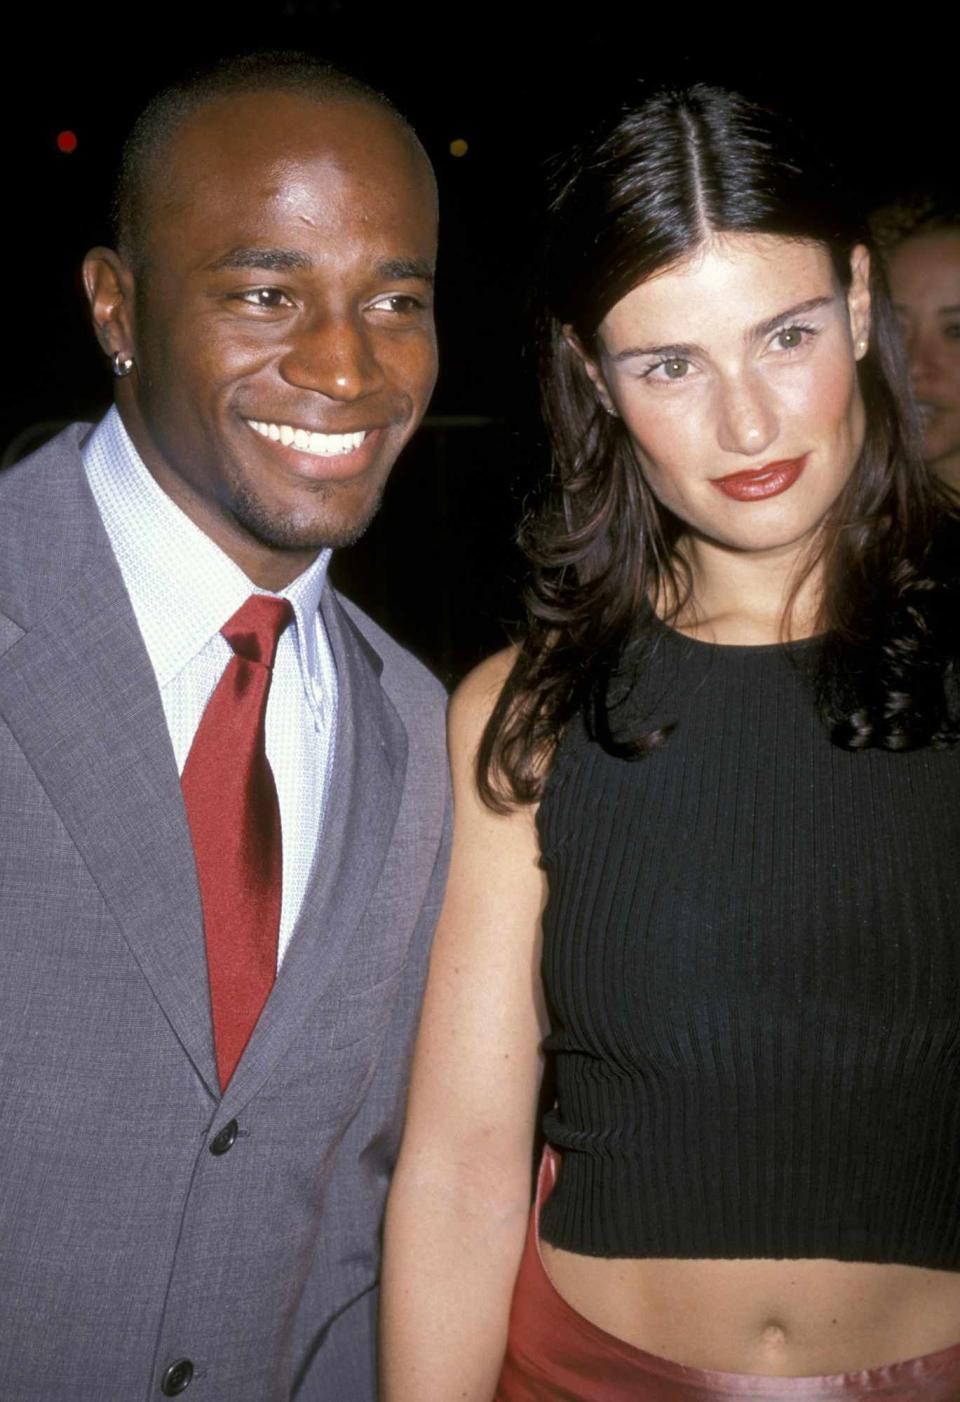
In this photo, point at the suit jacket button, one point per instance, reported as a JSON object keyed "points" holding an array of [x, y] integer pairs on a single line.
{"points": [[225, 1140], [177, 1378]]}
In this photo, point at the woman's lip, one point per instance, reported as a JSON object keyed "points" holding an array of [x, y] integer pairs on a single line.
{"points": [[767, 481]]}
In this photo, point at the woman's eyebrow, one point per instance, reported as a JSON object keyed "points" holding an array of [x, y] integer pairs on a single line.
{"points": [[801, 309], [681, 352]]}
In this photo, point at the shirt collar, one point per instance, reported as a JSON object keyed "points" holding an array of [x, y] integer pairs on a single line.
{"points": [[182, 586]]}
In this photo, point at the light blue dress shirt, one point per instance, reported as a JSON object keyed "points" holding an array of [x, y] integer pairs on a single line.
{"points": [[183, 588]]}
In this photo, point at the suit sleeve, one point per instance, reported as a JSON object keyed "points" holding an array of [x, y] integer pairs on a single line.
{"points": [[345, 1363]]}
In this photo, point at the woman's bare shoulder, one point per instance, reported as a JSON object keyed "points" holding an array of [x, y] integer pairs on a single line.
{"points": [[474, 699], [476, 696]]}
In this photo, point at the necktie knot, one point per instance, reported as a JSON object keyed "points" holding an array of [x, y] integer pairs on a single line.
{"points": [[254, 630]]}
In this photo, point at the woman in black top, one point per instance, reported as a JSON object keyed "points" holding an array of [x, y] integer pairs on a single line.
{"points": [[708, 819]]}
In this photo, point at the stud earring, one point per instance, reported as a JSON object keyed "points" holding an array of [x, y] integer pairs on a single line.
{"points": [[861, 346], [122, 364]]}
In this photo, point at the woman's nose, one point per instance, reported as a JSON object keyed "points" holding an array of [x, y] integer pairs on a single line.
{"points": [[747, 421]]}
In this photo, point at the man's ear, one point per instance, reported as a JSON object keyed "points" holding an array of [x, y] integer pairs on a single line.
{"points": [[593, 370], [108, 283], [858, 300]]}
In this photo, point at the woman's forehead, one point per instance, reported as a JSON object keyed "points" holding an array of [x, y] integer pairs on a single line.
{"points": [[730, 279]]}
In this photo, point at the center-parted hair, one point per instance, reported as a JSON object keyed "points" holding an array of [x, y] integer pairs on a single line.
{"points": [[636, 197]]}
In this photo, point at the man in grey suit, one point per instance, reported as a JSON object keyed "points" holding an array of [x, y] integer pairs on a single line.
{"points": [[205, 1029]]}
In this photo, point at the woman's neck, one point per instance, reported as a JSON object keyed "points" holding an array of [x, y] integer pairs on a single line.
{"points": [[750, 598]]}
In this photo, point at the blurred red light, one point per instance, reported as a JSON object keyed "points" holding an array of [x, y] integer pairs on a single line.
{"points": [[67, 142]]}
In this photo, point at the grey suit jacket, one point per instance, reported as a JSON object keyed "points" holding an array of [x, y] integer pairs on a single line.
{"points": [[126, 1244]]}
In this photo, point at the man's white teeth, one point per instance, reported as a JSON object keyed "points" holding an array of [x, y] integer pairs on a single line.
{"points": [[322, 445]]}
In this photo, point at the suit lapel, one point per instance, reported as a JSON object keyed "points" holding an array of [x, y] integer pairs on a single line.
{"points": [[359, 818], [78, 692]]}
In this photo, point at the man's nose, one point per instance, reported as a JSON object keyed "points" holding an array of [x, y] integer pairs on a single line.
{"points": [[747, 421], [333, 355]]}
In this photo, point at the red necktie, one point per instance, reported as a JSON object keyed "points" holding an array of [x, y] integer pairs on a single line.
{"points": [[234, 820]]}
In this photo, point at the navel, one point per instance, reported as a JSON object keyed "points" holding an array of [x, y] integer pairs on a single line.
{"points": [[773, 1337]]}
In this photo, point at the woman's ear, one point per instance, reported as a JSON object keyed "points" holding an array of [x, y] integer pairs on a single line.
{"points": [[858, 300], [594, 373]]}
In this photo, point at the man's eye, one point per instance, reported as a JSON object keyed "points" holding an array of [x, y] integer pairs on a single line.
{"points": [[268, 297], [400, 303]]}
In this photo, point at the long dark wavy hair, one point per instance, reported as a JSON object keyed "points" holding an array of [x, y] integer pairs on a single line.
{"points": [[638, 196]]}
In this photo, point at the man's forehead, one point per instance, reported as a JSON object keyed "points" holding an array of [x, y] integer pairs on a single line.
{"points": [[243, 132], [244, 165]]}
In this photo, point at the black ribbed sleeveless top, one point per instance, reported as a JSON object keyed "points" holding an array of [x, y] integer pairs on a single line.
{"points": [[752, 964]]}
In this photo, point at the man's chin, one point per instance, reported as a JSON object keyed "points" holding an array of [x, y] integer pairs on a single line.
{"points": [[299, 537]]}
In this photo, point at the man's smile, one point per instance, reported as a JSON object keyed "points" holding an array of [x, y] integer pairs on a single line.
{"points": [[321, 445]]}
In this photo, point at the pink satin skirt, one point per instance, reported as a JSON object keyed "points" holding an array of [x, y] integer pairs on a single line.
{"points": [[555, 1355]]}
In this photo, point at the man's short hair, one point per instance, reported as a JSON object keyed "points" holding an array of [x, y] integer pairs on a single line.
{"points": [[158, 123]]}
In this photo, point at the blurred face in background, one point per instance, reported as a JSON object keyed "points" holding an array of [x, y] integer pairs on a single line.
{"points": [[925, 282]]}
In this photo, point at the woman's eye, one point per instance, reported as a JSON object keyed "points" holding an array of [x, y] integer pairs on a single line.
{"points": [[675, 369], [793, 338]]}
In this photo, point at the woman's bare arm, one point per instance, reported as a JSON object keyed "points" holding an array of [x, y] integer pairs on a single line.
{"points": [[461, 1193]]}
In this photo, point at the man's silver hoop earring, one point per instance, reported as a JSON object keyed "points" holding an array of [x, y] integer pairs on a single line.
{"points": [[122, 364]]}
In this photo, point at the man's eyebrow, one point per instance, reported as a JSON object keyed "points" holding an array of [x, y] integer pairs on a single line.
{"points": [[687, 350], [271, 260], [286, 260], [403, 269]]}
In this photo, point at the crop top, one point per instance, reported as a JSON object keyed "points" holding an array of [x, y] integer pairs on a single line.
{"points": [[752, 966]]}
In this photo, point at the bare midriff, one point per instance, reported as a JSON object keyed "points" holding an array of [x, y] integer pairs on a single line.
{"points": [[779, 1318]]}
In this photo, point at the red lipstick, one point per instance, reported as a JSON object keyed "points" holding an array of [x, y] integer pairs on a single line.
{"points": [[767, 481]]}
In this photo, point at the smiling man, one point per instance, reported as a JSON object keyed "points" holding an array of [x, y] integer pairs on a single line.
{"points": [[224, 812]]}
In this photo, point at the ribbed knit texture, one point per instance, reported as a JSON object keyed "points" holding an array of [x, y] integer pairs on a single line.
{"points": [[752, 957]]}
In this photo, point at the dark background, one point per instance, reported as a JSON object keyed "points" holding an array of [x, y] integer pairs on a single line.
{"points": [[517, 84]]}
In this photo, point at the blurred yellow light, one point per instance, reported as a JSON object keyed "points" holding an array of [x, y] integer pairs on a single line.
{"points": [[459, 147]]}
